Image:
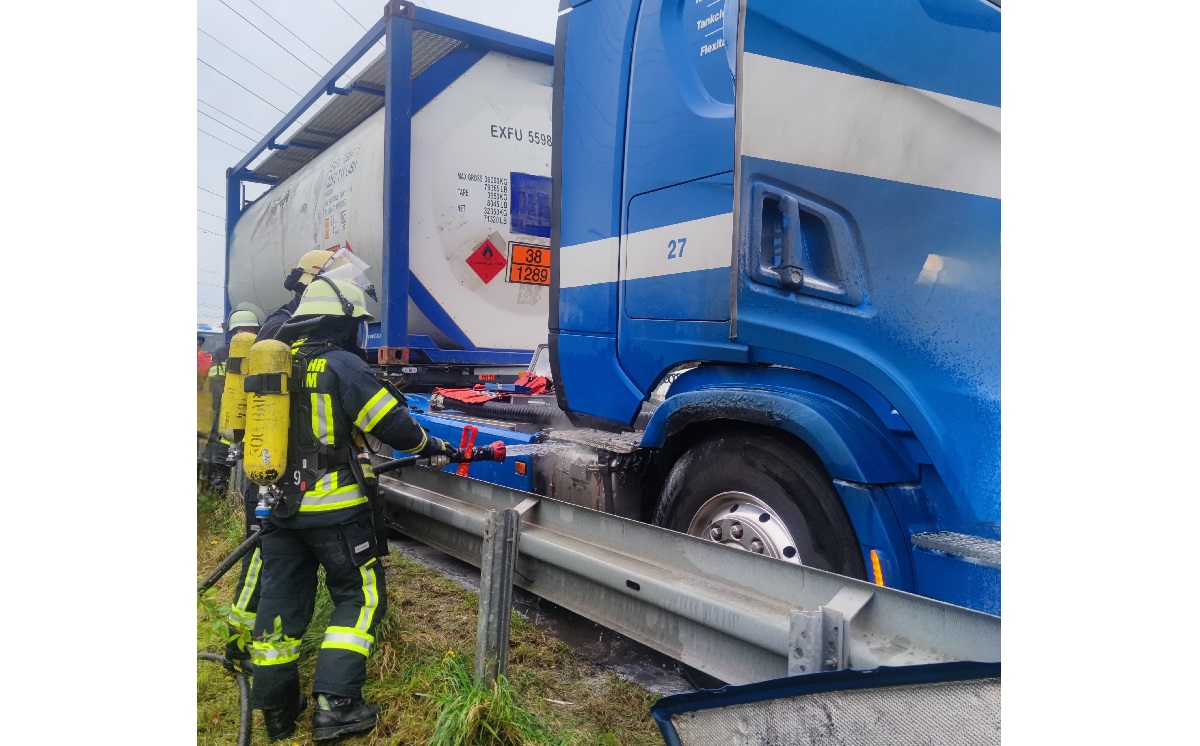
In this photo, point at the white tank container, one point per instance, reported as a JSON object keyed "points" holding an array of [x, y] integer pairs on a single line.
{"points": [[491, 126]]}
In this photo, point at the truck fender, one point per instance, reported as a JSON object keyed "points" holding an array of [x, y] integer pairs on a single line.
{"points": [[850, 446]]}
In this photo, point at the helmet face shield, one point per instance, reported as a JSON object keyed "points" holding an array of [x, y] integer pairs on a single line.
{"points": [[344, 266]]}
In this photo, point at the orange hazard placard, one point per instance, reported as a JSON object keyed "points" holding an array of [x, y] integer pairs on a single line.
{"points": [[487, 261], [530, 264]]}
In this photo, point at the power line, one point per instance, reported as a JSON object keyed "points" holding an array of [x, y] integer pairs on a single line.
{"points": [[212, 232], [218, 217], [352, 18], [239, 85], [238, 148], [285, 28], [226, 126], [264, 33], [210, 192], [256, 67], [260, 134]]}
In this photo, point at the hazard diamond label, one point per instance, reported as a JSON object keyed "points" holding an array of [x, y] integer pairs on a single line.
{"points": [[487, 261]]}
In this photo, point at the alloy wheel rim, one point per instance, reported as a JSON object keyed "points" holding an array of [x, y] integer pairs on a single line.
{"points": [[745, 522]]}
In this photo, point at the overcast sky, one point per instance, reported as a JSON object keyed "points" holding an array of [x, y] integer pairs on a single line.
{"points": [[231, 119]]}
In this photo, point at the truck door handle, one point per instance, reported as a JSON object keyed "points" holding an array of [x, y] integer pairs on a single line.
{"points": [[801, 245], [778, 218]]}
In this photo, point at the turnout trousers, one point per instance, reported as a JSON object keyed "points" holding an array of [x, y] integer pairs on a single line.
{"points": [[245, 596], [290, 557]]}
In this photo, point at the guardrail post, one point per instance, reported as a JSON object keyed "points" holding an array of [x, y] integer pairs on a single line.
{"points": [[501, 530], [820, 639]]}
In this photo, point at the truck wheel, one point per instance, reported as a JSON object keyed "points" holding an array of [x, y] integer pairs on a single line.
{"points": [[756, 492]]}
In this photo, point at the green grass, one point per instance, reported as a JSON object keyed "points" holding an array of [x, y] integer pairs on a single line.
{"points": [[420, 670], [472, 715]]}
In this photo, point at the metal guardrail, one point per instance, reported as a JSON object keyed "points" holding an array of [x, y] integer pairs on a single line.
{"points": [[738, 616]]}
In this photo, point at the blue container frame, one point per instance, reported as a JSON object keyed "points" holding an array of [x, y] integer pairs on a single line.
{"points": [[403, 96]]}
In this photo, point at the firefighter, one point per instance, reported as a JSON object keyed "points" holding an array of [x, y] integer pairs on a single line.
{"points": [[296, 281], [245, 596], [239, 321], [325, 519]]}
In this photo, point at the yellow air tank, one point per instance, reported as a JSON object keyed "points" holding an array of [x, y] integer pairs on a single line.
{"points": [[267, 412], [233, 398]]}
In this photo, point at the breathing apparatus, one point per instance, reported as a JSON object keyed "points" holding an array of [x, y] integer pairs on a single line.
{"points": [[233, 398], [268, 415]]}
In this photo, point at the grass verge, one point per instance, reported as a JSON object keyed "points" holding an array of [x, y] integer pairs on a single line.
{"points": [[419, 671]]}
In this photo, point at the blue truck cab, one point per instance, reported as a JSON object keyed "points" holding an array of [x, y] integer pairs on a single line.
{"points": [[796, 203]]}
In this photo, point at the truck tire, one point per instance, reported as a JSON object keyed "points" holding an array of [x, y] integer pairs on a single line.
{"points": [[757, 492]]}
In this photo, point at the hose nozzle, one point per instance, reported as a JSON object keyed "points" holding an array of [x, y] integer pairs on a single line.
{"points": [[495, 452]]}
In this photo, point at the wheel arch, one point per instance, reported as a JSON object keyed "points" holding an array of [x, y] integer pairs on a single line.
{"points": [[678, 443], [841, 437]]}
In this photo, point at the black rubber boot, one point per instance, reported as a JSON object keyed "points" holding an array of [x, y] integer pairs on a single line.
{"points": [[281, 721], [340, 716]]}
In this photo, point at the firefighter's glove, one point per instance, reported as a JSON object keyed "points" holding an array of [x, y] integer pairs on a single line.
{"points": [[438, 447]]}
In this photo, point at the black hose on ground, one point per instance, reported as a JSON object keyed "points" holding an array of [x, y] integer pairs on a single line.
{"points": [[244, 721]]}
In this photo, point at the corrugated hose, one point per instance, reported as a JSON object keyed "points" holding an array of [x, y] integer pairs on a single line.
{"points": [[244, 721]]}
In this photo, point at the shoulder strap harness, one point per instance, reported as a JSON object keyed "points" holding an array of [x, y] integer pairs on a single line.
{"points": [[309, 460]]}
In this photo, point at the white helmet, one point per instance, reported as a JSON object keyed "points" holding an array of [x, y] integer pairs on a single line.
{"points": [[242, 319]]}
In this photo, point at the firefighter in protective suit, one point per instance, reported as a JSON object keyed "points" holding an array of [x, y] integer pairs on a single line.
{"points": [[326, 520], [245, 596], [240, 321]]}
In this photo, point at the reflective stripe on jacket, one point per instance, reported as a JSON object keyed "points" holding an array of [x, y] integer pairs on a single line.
{"points": [[342, 393]]}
